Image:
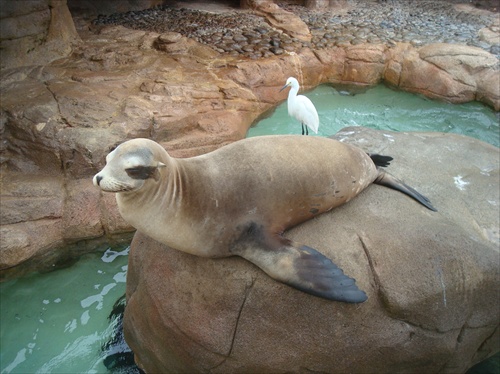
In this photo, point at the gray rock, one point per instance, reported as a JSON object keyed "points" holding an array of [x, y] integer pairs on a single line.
{"points": [[431, 278]]}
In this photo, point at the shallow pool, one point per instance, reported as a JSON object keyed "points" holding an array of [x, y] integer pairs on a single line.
{"points": [[59, 322], [385, 109]]}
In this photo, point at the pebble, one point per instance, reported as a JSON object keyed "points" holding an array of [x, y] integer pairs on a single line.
{"points": [[247, 34]]}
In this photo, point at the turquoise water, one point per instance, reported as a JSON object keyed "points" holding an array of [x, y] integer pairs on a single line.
{"points": [[385, 109], [58, 322]]}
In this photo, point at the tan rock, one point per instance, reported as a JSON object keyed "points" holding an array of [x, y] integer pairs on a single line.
{"points": [[36, 33], [27, 240], [282, 19], [460, 61], [488, 83], [82, 218], [14, 246], [432, 79], [111, 219], [490, 35], [364, 64], [31, 198]]}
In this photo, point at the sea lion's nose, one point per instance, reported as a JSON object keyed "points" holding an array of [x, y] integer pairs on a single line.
{"points": [[97, 180]]}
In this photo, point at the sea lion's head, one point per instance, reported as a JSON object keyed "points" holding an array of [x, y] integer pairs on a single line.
{"points": [[130, 165]]}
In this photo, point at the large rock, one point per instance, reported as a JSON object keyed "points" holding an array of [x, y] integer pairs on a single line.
{"points": [[35, 32], [60, 121], [432, 280], [455, 73], [281, 19]]}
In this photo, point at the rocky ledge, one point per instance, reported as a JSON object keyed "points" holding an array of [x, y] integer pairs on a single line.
{"points": [[431, 278], [58, 121]]}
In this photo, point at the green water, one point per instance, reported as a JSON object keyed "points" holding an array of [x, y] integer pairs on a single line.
{"points": [[58, 322], [385, 109]]}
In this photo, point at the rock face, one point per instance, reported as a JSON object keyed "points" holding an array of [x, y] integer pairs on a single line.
{"points": [[58, 120], [35, 32], [459, 72], [432, 280]]}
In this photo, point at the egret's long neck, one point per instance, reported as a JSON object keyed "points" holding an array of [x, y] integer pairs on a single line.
{"points": [[293, 92]]}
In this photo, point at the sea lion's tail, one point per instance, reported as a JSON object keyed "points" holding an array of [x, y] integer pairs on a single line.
{"points": [[380, 160], [388, 180]]}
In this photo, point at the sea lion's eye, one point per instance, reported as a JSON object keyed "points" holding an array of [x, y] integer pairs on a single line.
{"points": [[140, 172]]}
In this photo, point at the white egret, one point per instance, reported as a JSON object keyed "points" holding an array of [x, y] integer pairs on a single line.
{"points": [[300, 107]]}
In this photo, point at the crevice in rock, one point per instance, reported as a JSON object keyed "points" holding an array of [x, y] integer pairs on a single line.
{"points": [[247, 292], [304, 369], [482, 351], [64, 120], [375, 277], [461, 334], [457, 343], [240, 311], [188, 337], [429, 93], [481, 347], [455, 77], [460, 330], [447, 54]]}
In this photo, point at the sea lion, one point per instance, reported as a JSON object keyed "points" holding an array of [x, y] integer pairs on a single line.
{"points": [[239, 199]]}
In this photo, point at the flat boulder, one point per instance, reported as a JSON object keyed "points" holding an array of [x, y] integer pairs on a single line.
{"points": [[431, 277]]}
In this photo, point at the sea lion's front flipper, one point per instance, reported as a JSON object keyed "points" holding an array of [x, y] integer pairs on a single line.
{"points": [[306, 269], [318, 275]]}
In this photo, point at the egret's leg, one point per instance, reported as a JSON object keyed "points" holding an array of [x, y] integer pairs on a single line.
{"points": [[307, 130], [302, 129]]}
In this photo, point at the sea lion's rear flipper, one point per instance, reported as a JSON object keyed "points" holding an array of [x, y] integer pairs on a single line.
{"points": [[306, 269], [388, 180], [380, 160]]}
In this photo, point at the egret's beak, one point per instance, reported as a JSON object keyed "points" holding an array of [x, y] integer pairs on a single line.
{"points": [[285, 86]]}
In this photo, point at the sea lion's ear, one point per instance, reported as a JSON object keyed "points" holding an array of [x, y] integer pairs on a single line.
{"points": [[156, 174]]}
